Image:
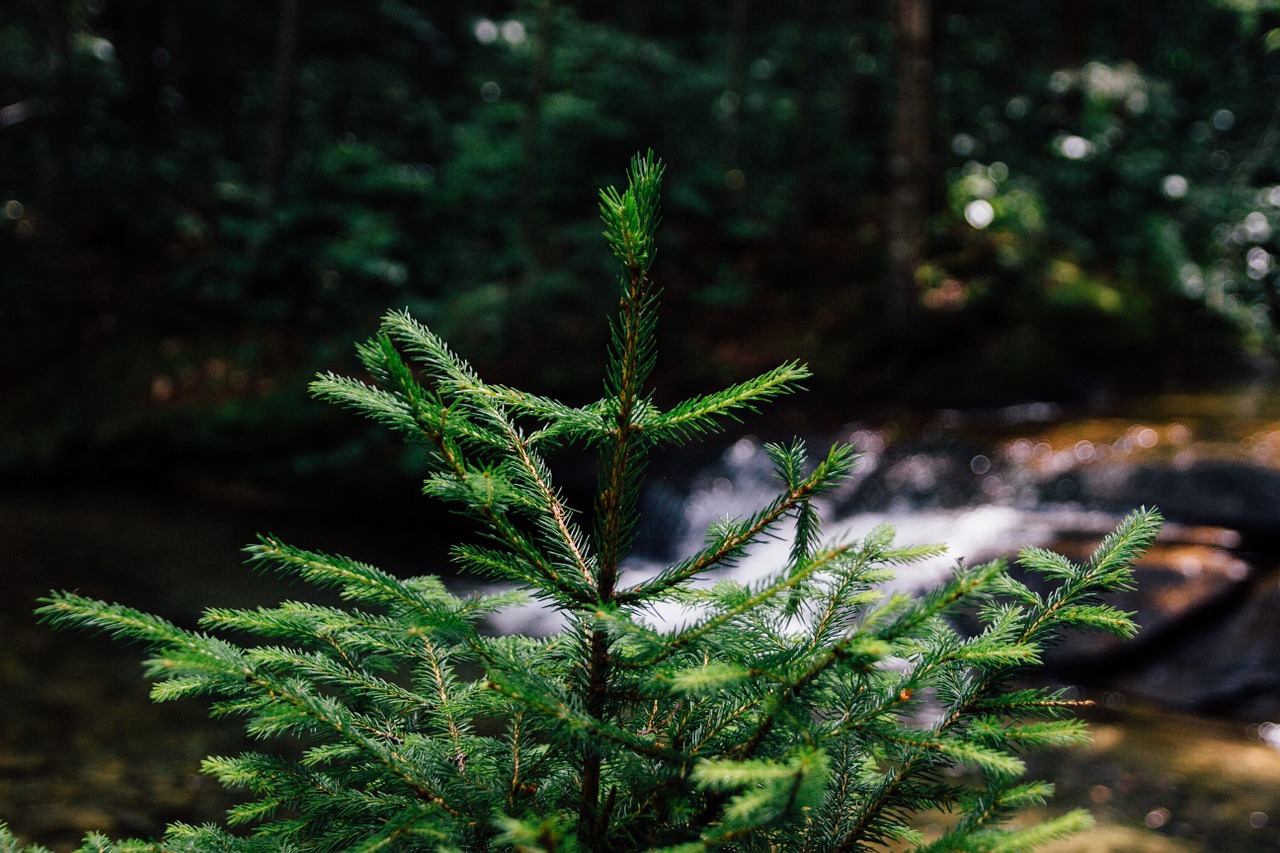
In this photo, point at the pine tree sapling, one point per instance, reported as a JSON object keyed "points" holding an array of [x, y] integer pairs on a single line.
{"points": [[808, 710]]}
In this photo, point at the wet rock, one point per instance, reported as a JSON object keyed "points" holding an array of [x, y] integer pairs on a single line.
{"points": [[1186, 573], [1230, 666], [1189, 577], [1200, 644], [1209, 639], [1231, 494]]}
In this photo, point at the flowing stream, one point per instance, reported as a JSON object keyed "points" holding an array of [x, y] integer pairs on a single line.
{"points": [[1186, 753]]}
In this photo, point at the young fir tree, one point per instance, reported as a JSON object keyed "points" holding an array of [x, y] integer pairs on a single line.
{"points": [[806, 711]]}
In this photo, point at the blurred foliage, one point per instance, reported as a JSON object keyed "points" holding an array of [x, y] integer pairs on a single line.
{"points": [[1106, 198]]}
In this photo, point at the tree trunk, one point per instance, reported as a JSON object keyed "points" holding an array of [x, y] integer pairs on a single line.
{"points": [[1137, 25], [910, 158], [731, 102], [286, 93], [802, 158], [1075, 18], [533, 224]]}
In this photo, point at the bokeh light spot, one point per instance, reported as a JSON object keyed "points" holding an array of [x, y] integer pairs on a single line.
{"points": [[1017, 107], [1174, 186], [486, 31], [761, 69], [162, 389], [979, 213], [513, 32], [1259, 261], [1074, 147], [1258, 226]]}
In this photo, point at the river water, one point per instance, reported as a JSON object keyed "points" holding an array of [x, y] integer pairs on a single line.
{"points": [[1174, 765]]}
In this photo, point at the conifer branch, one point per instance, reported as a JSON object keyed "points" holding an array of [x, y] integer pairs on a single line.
{"points": [[730, 541], [1109, 565], [782, 584], [631, 218], [568, 539], [694, 416], [585, 723]]}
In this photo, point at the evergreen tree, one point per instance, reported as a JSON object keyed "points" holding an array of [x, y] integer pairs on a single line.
{"points": [[808, 710]]}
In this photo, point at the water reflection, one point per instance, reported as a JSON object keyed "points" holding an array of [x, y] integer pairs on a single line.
{"points": [[1161, 782]]}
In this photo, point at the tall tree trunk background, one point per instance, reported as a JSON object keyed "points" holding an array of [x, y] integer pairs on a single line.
{"points": [[1075, 17], [1075, 20], [534, 226], [910, 159], [735, 85], [285, 94], [802, 152]]}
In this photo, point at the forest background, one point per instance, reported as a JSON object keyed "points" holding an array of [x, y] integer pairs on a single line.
{"points": [[958, 203]]}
